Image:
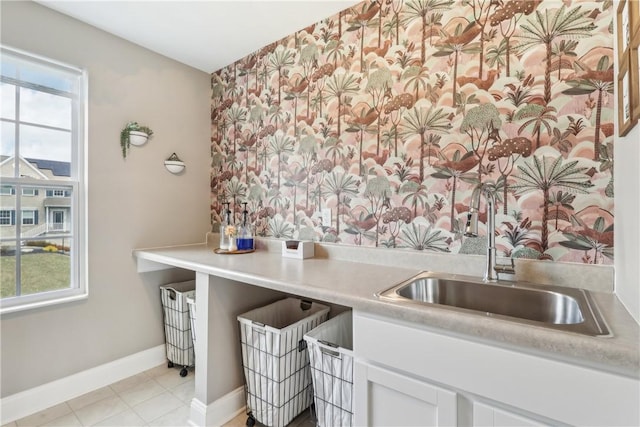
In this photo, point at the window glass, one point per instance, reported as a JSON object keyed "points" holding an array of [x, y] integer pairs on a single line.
{"points": [[5, 217], [7, 148], [45, 266], [45, 144], [7, 101], [45, 109], [9, 67], [8, 214], [29, 217], [42, 257]]}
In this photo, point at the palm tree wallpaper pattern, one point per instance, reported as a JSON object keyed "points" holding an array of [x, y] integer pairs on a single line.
{"points": [[390, 112]]}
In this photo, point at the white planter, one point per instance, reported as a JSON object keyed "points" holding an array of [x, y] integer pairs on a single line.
{"points": [[174, 166], [137, 138]]}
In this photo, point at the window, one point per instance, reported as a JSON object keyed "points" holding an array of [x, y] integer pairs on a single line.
{"points": [[42, 202], [29, 217], [6, 217], [57, 193]]}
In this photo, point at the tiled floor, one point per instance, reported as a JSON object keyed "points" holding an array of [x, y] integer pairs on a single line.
{"points": [[157, 397]]}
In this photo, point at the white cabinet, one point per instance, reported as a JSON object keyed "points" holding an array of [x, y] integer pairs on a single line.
{"points": [[485, 415], [392, 399], [422, 370]]}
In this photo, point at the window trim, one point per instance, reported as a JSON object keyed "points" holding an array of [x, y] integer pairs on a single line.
{"points": [[34, 217], [79, 286]]}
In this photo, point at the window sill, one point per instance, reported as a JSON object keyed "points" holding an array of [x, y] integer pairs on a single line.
{"points": [[34, 305]]}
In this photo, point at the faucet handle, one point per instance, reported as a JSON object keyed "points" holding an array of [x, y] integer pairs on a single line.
{"points": [[506, 268]]}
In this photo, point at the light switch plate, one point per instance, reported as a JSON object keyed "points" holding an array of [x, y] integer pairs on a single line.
{"points": [[326, 217]]}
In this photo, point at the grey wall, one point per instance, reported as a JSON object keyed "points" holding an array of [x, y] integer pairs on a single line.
{"points": [[133, 203]]}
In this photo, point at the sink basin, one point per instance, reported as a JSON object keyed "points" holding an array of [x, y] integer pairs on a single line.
{"points": [[554, 307]]}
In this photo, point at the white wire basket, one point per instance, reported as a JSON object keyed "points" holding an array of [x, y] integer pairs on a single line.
{"points": [[191, 302], [177, 327], [330, 348], [275, 360]]}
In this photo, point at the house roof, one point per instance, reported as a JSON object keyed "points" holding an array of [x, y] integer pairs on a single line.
{"points": [[57, 168], [57, 202]]}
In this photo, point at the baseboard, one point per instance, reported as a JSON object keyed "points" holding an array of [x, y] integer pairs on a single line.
{"points": [[30, 401], [219, 412]]}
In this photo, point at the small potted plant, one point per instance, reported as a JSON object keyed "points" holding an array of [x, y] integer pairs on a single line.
{"points": [[135, 134]]}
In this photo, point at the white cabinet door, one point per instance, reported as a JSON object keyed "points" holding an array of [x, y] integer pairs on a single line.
{"points": [[485, 415], [385, 398]]}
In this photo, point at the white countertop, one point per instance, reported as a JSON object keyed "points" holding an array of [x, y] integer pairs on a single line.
{"points": [[353, 284]]}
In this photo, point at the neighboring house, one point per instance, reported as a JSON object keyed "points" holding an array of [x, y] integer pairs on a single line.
{"points": [[46, 211]]}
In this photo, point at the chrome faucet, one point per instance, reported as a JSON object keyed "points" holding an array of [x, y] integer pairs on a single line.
{"points": [[471, 230]]}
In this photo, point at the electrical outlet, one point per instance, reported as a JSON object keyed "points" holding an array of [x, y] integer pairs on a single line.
{"points": [[326, 217]]}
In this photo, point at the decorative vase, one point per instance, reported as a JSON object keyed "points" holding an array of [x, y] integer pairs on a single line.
{"points": [[233, 246]]}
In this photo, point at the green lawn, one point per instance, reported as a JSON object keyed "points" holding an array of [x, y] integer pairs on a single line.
{"points": [[40, 272]]}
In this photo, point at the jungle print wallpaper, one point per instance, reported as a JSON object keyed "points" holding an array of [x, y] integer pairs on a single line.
{"points": [[391, 112]]}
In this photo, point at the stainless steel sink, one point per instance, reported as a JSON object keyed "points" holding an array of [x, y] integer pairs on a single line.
{"points": [[555, 307]]}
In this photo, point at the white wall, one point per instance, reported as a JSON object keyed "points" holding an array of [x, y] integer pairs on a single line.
{"points": [[133, 203], [627, 214], [627, 211]]}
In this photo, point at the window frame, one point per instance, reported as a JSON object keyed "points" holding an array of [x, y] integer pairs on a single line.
{"points": [[33, 217], [78, 287]]}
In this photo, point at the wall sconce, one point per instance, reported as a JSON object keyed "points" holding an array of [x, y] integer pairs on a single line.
{"points": [[174, 164]]}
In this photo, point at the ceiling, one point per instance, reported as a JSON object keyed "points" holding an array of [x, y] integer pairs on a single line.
{"points": [[206, 35]]}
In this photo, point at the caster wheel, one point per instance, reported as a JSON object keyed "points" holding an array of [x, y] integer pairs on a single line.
{"points": [[183, 372], [251, 421], [170, 365]]}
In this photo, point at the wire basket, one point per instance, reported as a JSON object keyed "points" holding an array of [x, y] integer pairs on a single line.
{"points": [[177, 327], [275, 360], [330, 348], [191, 302]]}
